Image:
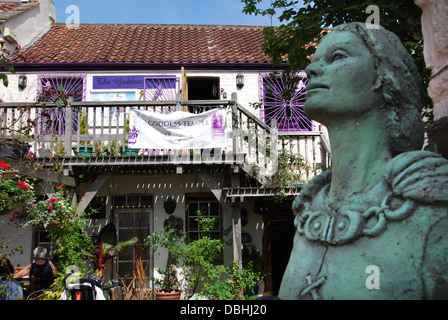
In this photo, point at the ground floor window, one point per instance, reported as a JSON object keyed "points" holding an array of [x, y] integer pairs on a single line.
{"points": [[208, 207]]}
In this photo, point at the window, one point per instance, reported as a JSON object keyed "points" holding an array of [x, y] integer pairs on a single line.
{"points": [[207, 209], [73, 84], [283, 99]]}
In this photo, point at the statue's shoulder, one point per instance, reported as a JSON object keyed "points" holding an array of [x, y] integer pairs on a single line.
{"points": [[419, 175]]}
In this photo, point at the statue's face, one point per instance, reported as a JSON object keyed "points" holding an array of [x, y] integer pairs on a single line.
{"points": [[341, 78]]}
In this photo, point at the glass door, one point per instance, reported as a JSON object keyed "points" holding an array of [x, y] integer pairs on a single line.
{"points": [[135, 262]]}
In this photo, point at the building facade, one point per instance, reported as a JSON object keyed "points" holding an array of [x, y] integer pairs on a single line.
{"points": [[110, 71]]}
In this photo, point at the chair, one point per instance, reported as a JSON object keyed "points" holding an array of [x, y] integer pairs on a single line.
{"points": [[35, 284]]}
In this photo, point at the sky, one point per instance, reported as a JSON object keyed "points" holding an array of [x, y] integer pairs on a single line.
{"points": [[215, 12]]}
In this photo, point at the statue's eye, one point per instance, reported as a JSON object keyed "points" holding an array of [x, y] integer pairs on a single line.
{"points": [[338, 56]]}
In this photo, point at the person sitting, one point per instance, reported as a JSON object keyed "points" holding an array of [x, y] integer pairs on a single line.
{"points": [[41, 268], [6, 268]]}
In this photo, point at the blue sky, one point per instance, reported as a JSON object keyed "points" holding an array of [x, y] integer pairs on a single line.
{"points": [[225, 12]]}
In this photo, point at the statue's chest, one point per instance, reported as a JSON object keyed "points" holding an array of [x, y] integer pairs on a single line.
{"points": [[369, 268], [342, 223]]}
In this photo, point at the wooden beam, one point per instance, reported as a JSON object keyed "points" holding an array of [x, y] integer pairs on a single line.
{"points": [[41, 174], [215, 189], [93, 190], [47, 188]]}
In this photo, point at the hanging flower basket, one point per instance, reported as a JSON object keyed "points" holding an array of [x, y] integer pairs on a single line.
{"points": [[169, 205], [15, 190]]}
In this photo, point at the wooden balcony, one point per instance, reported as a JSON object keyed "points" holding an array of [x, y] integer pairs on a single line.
{"points": [[96, 134]]}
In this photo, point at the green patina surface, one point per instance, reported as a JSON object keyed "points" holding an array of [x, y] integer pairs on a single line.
{"points": [[385, 204]]}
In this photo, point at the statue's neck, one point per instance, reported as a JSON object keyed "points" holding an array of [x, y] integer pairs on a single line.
{"points": [[360, 151]]}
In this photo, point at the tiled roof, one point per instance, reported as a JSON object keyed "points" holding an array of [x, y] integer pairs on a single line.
{"points": [[149, 43], [11, 9], [6, 6]]}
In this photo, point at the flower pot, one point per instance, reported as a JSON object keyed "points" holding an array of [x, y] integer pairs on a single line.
{"points": [[83, 151], [168, 295], [129, 152]]}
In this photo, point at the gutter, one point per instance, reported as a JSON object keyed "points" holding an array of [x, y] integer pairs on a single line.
{"points": [[48, 66]]}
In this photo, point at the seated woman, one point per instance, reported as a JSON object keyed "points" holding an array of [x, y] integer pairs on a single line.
{"points": [[41, 268], [374, 227]]}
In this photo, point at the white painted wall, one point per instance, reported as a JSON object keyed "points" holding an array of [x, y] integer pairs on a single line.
{"points": [[248, 94], [28, 25]]}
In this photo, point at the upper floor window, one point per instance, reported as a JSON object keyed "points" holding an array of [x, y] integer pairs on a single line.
{"points": [[74, 84], [283, 99], [53, 84]]}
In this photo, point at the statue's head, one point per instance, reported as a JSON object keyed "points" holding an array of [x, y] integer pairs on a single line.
{"points": [[356, 69]]}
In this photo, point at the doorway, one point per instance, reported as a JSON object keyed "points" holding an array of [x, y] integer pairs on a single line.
{"points": [[278, 240], [203, 88], [134, 259], [282, 237]]}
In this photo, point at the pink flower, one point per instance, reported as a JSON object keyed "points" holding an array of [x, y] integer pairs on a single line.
{"points": [[52, 200], [50, 207], [23, 185]]}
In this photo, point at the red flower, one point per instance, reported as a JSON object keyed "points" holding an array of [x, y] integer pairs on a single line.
{"points": [[61, 186], [50, 207], [23, 185], [52, 200], [4, 165]]}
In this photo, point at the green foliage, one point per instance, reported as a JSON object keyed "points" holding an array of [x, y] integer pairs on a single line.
{"points": [[72, 246], [304, 25], [199, 266], [172, 240], [15, 191], [253, 261]]}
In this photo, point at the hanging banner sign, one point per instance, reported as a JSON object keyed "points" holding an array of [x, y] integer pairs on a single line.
{"points": [[177, 130]]}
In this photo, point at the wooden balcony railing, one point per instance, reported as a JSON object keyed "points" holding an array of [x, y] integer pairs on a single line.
{"points": [[95, 133]]}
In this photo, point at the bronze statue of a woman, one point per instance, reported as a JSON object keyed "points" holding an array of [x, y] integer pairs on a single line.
{"points": [[384, 207]]}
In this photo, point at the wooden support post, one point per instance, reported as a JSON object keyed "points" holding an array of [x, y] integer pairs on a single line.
{"points": [[178, 104], [93, 190], [47, 188], [236, 232], [68, 127], [235, 126]]}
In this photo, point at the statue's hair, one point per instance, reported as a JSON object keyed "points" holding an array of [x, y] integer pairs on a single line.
{"points": [[398, 80]]}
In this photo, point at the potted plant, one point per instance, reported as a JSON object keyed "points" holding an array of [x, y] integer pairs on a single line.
{"points": [[167, 285], [253, 262], [84, 150], [128, 151], [107, 150]]}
